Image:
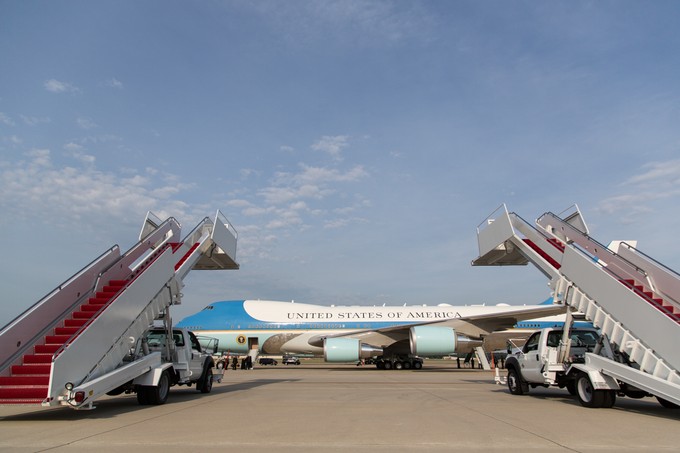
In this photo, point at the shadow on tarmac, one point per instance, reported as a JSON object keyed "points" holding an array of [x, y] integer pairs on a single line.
{"points": [[645, 406], [111, 407]]}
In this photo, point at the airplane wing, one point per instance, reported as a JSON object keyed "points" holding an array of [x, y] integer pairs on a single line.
{"points": [[471, 326]]}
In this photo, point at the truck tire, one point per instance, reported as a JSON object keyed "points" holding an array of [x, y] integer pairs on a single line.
{"points": [[159, 394], [587, 395], [515, 384], [398, 365], [206, 382], [571, 387], [417, 365]]}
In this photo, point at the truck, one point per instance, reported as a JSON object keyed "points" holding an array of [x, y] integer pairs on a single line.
{"points": [[108, 330], [183, 361], [558, 357]]}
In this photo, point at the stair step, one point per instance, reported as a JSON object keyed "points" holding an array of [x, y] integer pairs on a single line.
{"points": [[23, 392], [118, 283], [42, 369], [57, 339], [23, 401], [65, 330], [25, 380], [37, 358], [46, 348], [91, 307], [83, 314], [98, 300], [75, 322]]}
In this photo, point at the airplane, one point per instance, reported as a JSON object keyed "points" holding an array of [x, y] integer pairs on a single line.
{"points": [[350, 333]]}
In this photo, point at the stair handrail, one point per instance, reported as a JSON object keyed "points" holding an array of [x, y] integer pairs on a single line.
{"points": [[151, 258], [589, 239], [7, 355], [123, 261]]}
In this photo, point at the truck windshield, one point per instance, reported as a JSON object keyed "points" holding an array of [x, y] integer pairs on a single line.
{"points": [[156, 338]]}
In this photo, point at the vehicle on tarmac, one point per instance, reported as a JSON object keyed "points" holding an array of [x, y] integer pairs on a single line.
{"points": [[557, 357], [291, 360], [267, 361]]}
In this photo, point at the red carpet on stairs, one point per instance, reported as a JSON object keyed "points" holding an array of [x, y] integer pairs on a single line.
{"points": [[28, 382]]}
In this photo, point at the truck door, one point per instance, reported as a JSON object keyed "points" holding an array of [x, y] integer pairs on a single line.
{"points": [[196, 361], [530, 359]]}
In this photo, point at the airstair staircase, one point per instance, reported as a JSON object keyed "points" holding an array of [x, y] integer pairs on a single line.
{"points": [[84, 328], [629, 296]]}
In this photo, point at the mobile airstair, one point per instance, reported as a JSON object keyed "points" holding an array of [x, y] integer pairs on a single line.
{"points": [[81, 332], [633, 299]]}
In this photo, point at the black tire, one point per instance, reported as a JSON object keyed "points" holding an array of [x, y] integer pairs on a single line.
{"points": [[206, 382], [219, 365], [667, 404], [571, 387], [417, 365], [398, 365], [388, 366], [158, 394], [407, 365], [142, 395], [586, 393], [609, 398], [515, 384]]}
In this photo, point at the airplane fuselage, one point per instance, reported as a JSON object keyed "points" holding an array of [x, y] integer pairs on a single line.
{"points": [[287, 327]]}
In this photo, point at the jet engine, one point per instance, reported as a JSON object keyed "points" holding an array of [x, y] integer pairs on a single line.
{"points": [[434, 341], [347, 350]]}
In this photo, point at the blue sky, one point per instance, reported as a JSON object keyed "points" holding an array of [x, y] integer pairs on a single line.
{"points": [[355, 145]]}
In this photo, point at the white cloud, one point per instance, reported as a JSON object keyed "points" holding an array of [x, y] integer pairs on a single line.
{"points": [[6, 120], [85, 123], [35, 186], [657, 181], [333, 145], [33, 120], [114, 83], [55, 86]]}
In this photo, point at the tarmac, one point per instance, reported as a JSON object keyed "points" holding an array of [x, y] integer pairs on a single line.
{"points": [[320, 407]]}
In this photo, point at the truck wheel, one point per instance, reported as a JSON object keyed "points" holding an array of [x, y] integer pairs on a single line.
{"points": [[417, 365], [205, 385], [398, 366], [515, 384], [609, 398], [142, 395], [407, 365], [388, 365], [571, 387], [587, 395], [159, 394]]}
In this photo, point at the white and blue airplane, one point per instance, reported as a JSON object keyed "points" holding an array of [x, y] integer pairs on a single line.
{"points": [[350, 333]]}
